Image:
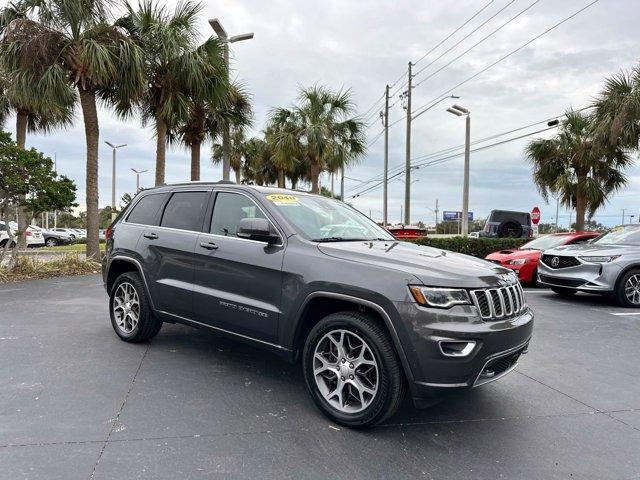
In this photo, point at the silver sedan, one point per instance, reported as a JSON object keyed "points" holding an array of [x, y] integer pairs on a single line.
{"points": [[608, 265]]}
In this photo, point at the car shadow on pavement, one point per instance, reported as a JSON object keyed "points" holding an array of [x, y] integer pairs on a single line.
{"points": [[270, 384]]}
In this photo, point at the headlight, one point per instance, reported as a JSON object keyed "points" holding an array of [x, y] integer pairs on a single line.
{"points": [[599, 259], [440, 297], [517, 261]]}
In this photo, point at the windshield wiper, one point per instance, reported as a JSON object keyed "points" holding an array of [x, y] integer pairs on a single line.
{"points": [[338, 239]]}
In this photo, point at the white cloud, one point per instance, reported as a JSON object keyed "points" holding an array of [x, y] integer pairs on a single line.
{"points": [[363, 45]]}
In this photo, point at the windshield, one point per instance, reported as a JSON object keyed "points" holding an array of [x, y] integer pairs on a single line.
{"points": [[544, 242], [626, 235], [326, 220]]}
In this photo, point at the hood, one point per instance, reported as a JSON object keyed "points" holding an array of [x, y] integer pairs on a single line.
{"points": [[592, 249], [431, 266], [504, 255]]}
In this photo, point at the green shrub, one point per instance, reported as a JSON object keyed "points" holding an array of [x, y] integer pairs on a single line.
{"points": [[477, 247]]}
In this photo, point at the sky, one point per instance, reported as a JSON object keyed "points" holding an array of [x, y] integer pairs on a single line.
{"points": [[364, 45]]}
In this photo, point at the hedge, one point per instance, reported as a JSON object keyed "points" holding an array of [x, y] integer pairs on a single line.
{"points": [[478, 247]]}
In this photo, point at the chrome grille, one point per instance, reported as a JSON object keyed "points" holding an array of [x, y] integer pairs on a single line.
{"points": [[499, 303]]}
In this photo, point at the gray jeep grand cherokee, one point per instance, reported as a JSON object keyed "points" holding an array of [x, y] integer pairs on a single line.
{"points": [[312, 279]]}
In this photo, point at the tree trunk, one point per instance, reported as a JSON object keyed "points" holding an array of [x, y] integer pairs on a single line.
{"points": [[238, 175], [92, 135], [195, 161], [21, 139], [280, 179], [580, 212], [315, 176], [161, 148]]}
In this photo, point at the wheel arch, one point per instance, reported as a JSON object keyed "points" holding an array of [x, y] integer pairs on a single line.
{"points": [[119, 265], [319, 304], [623, 272]]}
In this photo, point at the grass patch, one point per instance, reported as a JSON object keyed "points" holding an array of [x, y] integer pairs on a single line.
{"points": [[72, 247], [28, 268]]}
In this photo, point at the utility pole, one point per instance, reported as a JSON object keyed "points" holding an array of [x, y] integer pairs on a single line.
{"points": [[385, 122], [226, 137], [407, 174], [557, 211], [342, 186], [55, 169], [436, 210], [623, 210]]}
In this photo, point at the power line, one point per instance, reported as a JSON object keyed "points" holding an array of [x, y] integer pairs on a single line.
{"points": [[464, 38], [553, 27], [475, 142], [451, 157], [482, 40], [454, 32]]}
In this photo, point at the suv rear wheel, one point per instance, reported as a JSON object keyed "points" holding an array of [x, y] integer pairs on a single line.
{"points": [[352, 370], [627, 291], [131, 315]]}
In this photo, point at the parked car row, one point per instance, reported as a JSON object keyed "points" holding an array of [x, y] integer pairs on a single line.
{"points": [[41, 237], [590, 262]]}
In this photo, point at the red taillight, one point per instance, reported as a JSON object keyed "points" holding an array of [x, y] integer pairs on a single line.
{"points": [[531, 233], [28, 233], [108, 233]]}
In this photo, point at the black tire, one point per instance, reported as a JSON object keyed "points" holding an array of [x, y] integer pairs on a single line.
{"points": [[564, 292], [534, 279], [51, 242], [392, 385], [620, 294], [148, 324], [510, 228]]}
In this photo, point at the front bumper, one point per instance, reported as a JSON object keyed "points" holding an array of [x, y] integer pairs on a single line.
{"points": [[497, 349], [586, 277]]}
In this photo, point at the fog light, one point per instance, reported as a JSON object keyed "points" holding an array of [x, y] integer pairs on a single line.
{"points": [[456, 348]]}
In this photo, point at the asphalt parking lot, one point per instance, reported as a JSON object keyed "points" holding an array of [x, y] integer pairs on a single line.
{"points": [[77, 403]]}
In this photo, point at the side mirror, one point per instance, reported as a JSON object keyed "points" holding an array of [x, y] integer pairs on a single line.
{"points": [[257, 229]]}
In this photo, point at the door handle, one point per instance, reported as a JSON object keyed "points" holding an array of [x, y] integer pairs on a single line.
{"points": [[209, 245], [151, 235]]}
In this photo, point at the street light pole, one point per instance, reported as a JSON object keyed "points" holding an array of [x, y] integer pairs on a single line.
{"points": [[138, 172], [464, 220], [407, 173], [226, 136], [113, 177]]}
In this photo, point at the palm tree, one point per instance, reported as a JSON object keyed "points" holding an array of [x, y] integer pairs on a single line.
{"points": [[258, 165], [618, 110], [73, 42], [178, 72], [206, 120], [577, 169], [319, 131], [237, 152]]}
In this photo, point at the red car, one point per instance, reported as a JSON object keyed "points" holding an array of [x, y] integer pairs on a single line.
{"points": [[524, 260], [407, 233]]}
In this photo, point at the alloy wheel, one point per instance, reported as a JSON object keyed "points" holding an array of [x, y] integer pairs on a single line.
{"points": [[632, 289], [126, 307], [345, 371]]}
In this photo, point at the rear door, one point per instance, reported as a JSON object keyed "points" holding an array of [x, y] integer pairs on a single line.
{"points": [[167, 250], [238, 282]]}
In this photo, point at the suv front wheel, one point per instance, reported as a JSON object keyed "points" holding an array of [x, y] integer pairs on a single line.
{"points": [[131, 315], [352, 370]]}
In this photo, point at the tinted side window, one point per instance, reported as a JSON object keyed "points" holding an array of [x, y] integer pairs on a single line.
{"points": [[146, 210], [229, 209], [184, 211]]}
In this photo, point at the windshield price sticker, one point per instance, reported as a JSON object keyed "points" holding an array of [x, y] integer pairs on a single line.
{"points": [[282, 199]]}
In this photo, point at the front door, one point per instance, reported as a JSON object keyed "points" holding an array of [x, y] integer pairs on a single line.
{"points": [[237, 281]]}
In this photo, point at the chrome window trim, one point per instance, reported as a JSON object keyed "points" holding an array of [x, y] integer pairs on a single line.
{"points": [[282, 236], [271, 222]]}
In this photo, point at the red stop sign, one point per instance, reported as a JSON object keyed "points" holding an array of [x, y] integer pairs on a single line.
{"points": [[535, 215]]}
